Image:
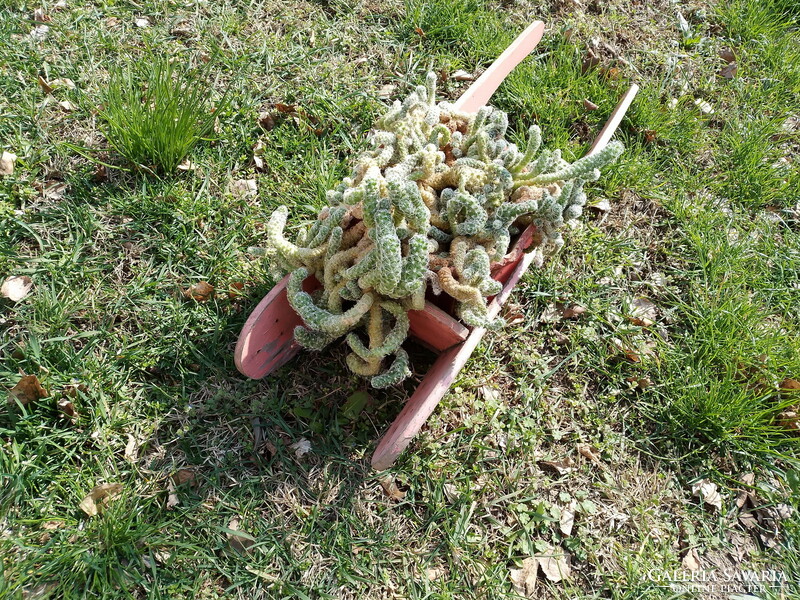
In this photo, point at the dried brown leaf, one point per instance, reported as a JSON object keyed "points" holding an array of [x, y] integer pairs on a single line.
{"points": [[592, 453], [46, 87], [67, 106], [573, 312], [524, 579], [131, 449], [172, 497], [789, 419], [28, 389], [239, 540], [643, 312], [691, 560], [184, 477], [561, 467], [727, 54], [389, 485], [7, 160], [554, 563], [141, 22], [16, 287], [462, 75], [66, 407], [201, 291], [103, 494], [589, 105], [244, 188], [709, 493], [567, 520], [729, 71]]}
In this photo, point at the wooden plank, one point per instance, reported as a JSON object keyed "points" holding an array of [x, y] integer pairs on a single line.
{"points": [[435, 329], [478, 94], [437, 381]]}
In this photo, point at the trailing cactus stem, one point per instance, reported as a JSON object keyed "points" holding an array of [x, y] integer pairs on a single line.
{"points": [[427, 207]]}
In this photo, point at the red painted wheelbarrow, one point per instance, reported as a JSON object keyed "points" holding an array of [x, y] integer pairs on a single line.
{"points": [[267, 342]]}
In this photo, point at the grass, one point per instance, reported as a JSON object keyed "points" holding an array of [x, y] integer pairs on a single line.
{"points": [[704, 223]]}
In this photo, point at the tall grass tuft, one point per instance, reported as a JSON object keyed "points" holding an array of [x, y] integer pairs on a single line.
{"points": [[157, 112]]}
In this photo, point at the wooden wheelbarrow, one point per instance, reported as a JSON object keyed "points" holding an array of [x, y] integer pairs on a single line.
{"points": [[267, 341]]}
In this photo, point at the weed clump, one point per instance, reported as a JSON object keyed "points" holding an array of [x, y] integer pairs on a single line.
{"points": [[156, 113], [430, 206]]}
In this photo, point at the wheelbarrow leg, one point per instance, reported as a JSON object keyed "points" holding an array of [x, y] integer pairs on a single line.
{"points": [[437, 381]]}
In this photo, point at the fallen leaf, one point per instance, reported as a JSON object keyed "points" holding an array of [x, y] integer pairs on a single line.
{"points": [[451, 492], [561, 467], [172, 497], [63, 83], [602, 205], [243, 188], [551, 314], [567, 520], [592, 454], [727, 54], [16, 287], [574, 311], [554, 564], [46, 87], [790, 386], [66, 407], [589, 105], [513, 313], [490, 394], [7, 161], [184, 477], [789, 419], [258, 160], [142, 22], [104, 493], [187, 165], [201, 291], [729, 71], [40, 32], [266, 120], [67, 106], [643, 312], [462, 75], [704, 106], [524, 579], [39, 16], [419, 32], [238, 539], [131, 449], [691, 560], [182, 28], [386, 91], [100, 174], [435, 573], [389, 485], [60, 5], [28, 389], [707, 490], [37, 591], [301, 447]]}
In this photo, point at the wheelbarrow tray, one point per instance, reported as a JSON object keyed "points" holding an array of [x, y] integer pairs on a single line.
{"points": [[267, 338]]}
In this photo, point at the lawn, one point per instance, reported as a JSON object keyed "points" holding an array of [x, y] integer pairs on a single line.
{"points": [[634, 419]]}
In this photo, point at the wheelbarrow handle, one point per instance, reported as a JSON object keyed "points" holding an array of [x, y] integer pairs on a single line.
{"points": [[478, 94]]}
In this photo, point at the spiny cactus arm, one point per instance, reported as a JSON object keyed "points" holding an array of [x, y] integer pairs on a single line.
{"points": [[408, 202], [335, 265], [476, 266], [474, 214], [414, 264], [428, 196], [439, 235], [394, 374], [364, 368], [477, 318], [291, 253], [391, 342], [584, 168], [490, 287], [458, 253], [334, 242], [531, 148], [362, 266], [440, 136], [311, 340], [390, 259], [463, 293], [319, 319]]}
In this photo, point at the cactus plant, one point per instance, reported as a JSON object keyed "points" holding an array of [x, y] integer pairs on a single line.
{"points": [[430, 205]]}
